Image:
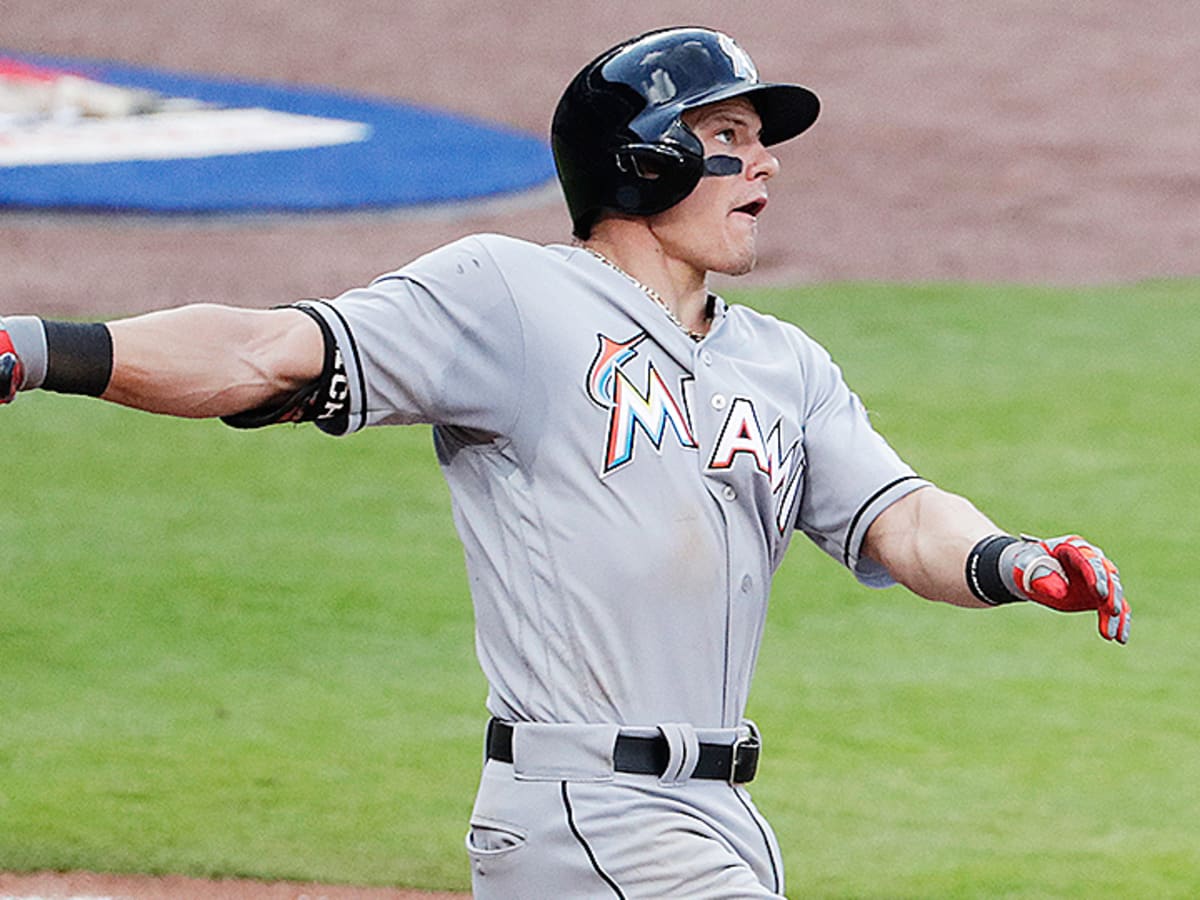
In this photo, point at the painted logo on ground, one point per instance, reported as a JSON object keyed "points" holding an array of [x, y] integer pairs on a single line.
{"points": [[77, 134]]}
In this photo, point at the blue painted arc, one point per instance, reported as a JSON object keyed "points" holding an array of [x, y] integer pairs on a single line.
{"points": [[414, 156]]}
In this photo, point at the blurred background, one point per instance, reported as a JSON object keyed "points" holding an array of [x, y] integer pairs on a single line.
{"points": [[960, 139]]}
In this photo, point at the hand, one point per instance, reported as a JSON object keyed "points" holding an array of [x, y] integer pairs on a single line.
{"points": [[11, 371], [1070, 575]]}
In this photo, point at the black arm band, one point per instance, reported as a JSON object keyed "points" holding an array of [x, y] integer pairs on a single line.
{"points": [[326, 400], [983, 571], [79, 357]]}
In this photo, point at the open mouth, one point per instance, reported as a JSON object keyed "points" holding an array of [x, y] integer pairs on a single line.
{"points": [[753, 208]]}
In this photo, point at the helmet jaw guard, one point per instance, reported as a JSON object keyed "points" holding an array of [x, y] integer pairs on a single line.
{"points": [[618, 135]]}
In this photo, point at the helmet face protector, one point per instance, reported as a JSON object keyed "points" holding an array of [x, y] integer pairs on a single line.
{"points": [[618, 134]]}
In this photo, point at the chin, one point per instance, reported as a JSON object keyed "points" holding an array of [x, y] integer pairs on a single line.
{"points": [[742, 264]]}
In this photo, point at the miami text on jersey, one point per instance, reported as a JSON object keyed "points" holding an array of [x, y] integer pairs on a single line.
{"points": [[742, 433], [653, 409]]}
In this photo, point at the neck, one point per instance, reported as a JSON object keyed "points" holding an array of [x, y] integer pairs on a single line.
{"points": [[680, 285]]}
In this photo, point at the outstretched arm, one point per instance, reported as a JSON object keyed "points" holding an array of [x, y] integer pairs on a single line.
{"points": [[206, 360], [940, 546], [193, 361]]}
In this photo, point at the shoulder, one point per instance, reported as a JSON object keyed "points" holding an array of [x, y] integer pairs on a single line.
{"points": [[478, 255], [502, 248], [775, 335]]}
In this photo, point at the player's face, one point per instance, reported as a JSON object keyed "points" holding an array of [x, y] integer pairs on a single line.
{"points": [[715, 228]]}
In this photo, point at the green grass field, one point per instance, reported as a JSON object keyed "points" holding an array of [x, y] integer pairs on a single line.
{"points": [[251, 653]]}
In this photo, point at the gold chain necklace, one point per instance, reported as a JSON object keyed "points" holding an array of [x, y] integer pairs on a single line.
{"points": [[651, 293]]}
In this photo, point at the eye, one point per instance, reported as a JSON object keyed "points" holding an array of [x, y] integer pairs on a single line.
{"points": [[726, 136]]}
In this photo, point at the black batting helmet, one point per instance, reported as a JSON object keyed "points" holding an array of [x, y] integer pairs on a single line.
{"points": [[618, 136]]}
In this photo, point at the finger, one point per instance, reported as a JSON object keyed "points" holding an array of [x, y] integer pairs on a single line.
{"points": [[1116, 627], [1109, 625], [1116, 596], [1090, 574], [1100, 567], [1047, 582], [10, 376]]}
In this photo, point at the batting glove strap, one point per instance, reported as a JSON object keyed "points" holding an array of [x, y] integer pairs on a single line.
{"points": [[985, 574]]}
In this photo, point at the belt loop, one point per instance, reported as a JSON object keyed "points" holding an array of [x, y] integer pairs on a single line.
{"points": [[489, 740], [684, 753], [746, 750], [548, 751]]}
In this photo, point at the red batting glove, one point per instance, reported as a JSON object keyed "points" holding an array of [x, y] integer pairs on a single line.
{"points": [[1071, 575], [12, 373]]}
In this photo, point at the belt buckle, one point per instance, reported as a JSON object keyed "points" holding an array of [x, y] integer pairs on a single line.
{"points": [[744, 761]]}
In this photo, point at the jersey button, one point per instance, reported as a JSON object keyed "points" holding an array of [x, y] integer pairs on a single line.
{"points": [[718, 401], [747, 583], [706, 358], [729, 493]]}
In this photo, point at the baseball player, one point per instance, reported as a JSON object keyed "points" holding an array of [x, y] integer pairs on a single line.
{"points": [[628, 457]]}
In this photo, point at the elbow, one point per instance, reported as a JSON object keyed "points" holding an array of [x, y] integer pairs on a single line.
{"points": [[283, 355], [923, 540]]}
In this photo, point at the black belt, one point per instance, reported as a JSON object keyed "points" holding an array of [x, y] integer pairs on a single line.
{"points": [[736, 763]]}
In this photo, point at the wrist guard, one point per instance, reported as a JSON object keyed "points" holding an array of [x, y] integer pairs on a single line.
{"points": [[79, 358], [984, 573]]}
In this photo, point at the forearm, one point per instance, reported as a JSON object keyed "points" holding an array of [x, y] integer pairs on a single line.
{"points": [[208, 360], [924, 539]]}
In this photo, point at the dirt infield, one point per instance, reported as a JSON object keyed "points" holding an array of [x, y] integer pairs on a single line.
{"points": [[91, 886], [960, 139]]}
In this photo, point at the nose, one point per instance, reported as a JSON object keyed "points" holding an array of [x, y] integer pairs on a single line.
{"points": [[763, 165]]}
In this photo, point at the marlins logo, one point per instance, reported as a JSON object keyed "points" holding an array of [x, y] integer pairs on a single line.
{"points": [[631, 409]]}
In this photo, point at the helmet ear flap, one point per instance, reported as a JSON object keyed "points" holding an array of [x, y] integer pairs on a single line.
{"points": [[652, 161], [654, 177]]}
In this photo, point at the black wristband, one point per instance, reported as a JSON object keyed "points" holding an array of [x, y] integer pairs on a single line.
{"points": [[79, 357], [983, 571]]}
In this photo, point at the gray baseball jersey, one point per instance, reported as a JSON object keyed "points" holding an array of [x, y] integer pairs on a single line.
{"points": [[623, 493]]}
